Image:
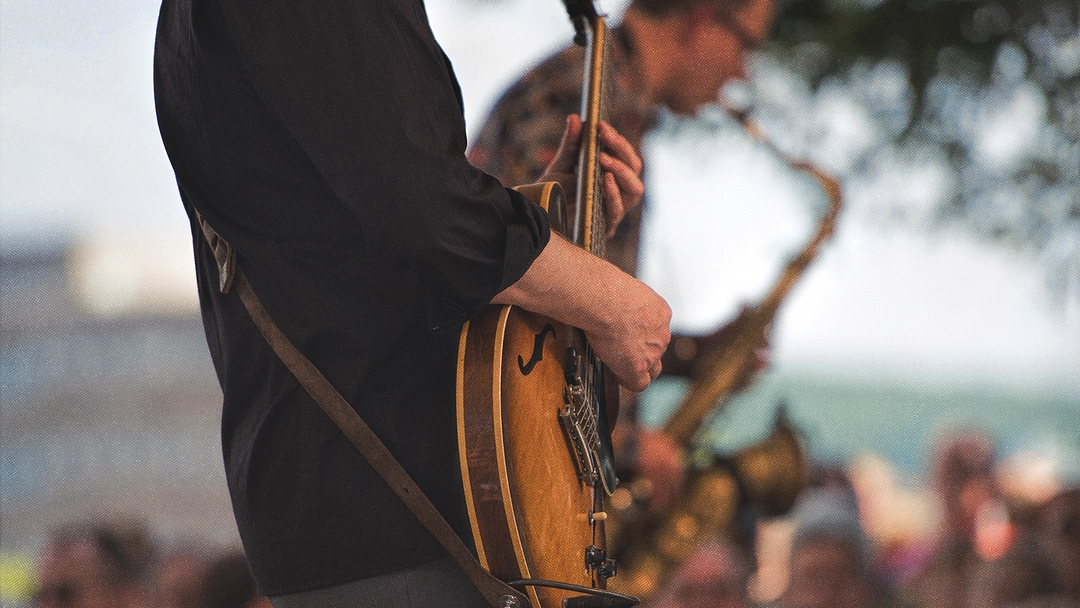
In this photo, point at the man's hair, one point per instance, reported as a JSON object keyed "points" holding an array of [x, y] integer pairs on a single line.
{"points": [[663, 8]]}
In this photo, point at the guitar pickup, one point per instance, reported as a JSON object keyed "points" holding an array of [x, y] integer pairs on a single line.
{"points": [[572, 367]]}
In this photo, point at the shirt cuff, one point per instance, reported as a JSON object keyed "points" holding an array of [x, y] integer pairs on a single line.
{"points": [[526, 235]]}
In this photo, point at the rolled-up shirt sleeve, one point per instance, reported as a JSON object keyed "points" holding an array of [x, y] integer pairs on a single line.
{"points": [[372, 101]]}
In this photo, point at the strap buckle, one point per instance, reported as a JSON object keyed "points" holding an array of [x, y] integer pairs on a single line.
{"points": [[224, 254]]}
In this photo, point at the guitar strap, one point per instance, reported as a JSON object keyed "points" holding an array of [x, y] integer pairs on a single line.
{"points": [[496, 592]]}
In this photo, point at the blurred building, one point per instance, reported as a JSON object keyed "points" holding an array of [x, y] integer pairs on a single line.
{"points": [[108, 401]]}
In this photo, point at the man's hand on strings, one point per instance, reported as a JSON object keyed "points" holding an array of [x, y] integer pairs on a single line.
{"points": [[623, 187], [627, 323], [620, 164]]}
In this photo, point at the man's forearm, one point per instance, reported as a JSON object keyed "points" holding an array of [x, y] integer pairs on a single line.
{"points": [[626, 322], [566, 283]]}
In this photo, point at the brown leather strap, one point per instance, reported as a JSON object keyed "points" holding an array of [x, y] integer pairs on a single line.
{"points": [[496, 592]]}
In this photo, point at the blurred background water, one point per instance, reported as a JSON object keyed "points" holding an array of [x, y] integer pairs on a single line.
{"points": [[847, 417]]}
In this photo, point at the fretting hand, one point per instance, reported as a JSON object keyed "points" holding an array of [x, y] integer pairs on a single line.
{"points": [[621, 165]]}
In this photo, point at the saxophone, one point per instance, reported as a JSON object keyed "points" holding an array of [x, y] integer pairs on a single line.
{"points": [[767, 475]]}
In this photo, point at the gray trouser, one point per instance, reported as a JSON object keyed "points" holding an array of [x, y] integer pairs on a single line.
{"points": [[439, 584]]}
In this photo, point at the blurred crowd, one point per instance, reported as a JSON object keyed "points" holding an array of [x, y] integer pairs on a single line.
{"points": [[106, 564], [989, 534]]}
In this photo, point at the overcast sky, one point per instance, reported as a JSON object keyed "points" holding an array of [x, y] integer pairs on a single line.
{"points": [[80, 154]]}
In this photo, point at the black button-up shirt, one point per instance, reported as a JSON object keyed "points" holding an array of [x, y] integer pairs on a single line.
{"points": [[325, 141]]}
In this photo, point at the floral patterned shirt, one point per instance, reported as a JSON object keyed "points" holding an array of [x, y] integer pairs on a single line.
{"points": [[522, 132]]}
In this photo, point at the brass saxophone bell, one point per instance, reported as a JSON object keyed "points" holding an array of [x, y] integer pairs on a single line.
{"points": [[767, 476], [772, 471]]}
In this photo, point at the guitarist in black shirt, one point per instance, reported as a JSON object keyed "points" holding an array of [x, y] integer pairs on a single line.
{"points": [[325, 142]]}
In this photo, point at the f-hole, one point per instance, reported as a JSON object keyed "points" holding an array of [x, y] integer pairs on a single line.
{"points": [[538, 350]]}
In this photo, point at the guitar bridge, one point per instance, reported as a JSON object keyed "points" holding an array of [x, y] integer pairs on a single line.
{"points": [[571, 417]]}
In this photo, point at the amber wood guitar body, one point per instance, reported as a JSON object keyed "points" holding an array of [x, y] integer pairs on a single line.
{"points": [[531, 511], [533, 405]]}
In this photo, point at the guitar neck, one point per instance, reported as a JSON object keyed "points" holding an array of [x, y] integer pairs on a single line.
{"points": [[588, 226], [588, 220]]}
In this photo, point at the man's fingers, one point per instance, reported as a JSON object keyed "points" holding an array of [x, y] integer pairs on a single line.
{"points": [[631, 188], [620, 147], [655, 370], [637, 384], [636, 375], [561, 168], [613, 204], [566, 155]]}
